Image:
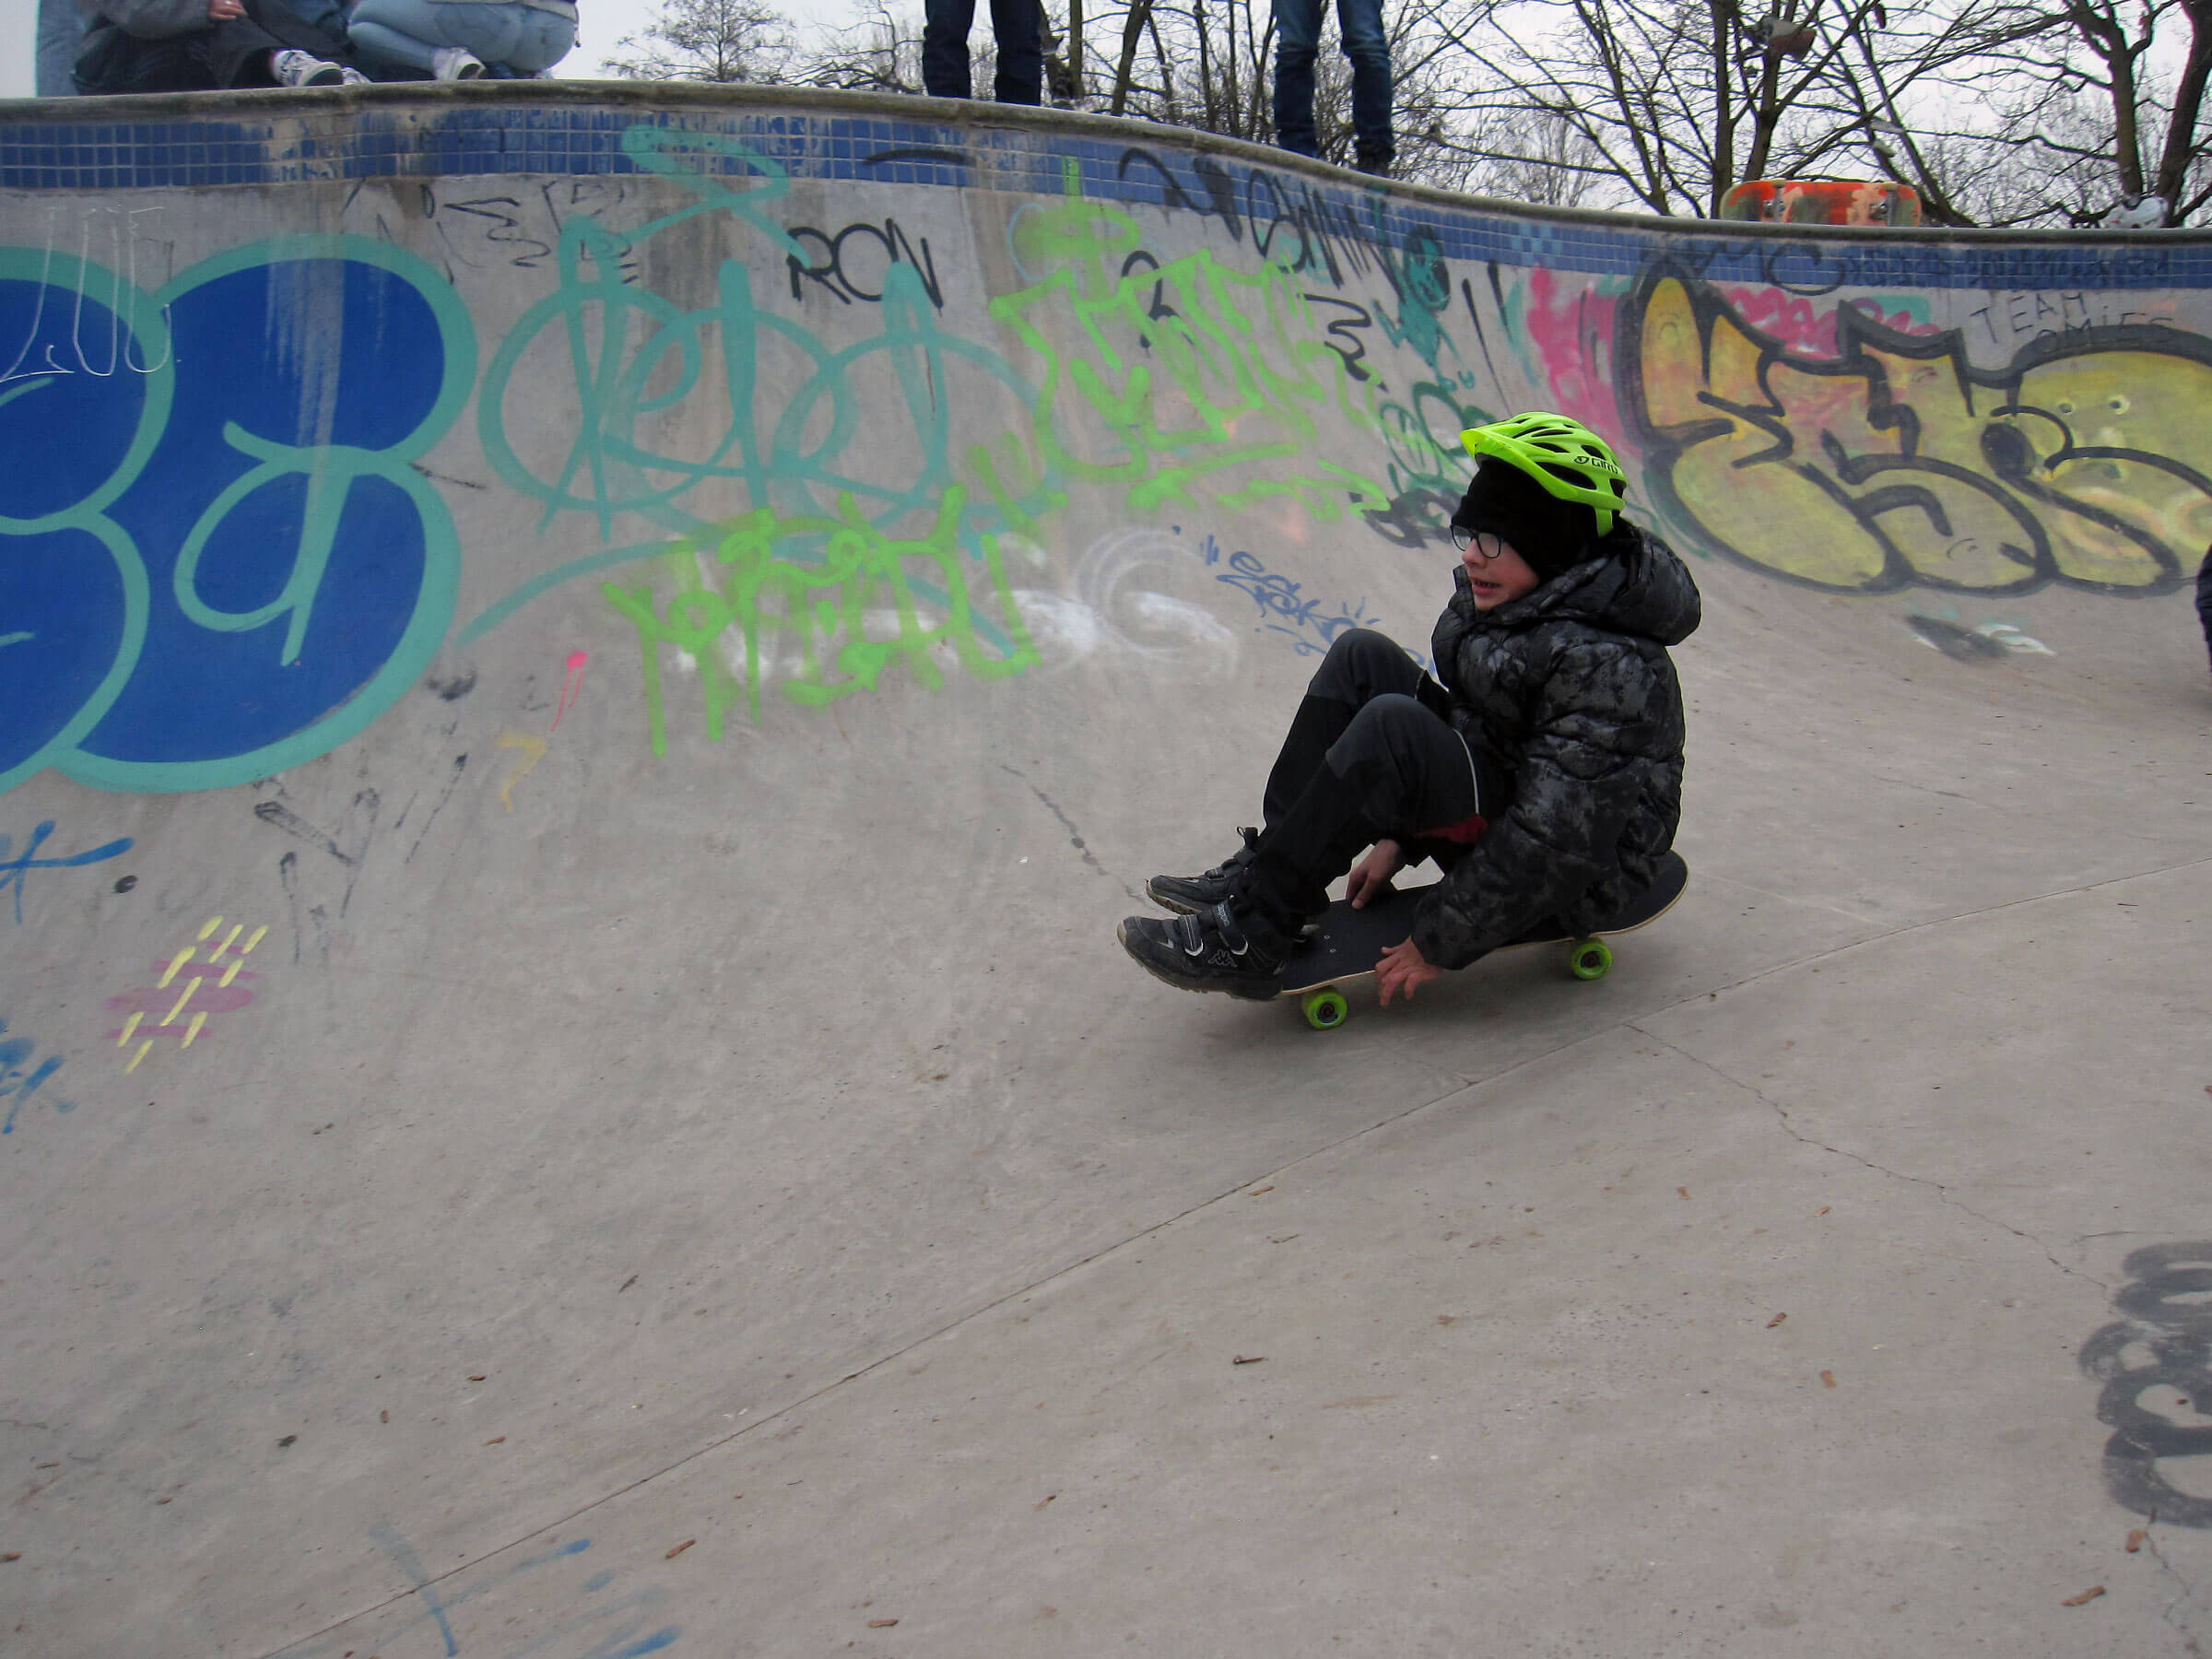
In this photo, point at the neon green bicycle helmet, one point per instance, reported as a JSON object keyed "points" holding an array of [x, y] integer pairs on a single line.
{"points": [[1566, 457]]}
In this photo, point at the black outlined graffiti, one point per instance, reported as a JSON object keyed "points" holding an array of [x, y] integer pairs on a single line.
{"points": [[2156, 1365], [503, 229], [1342, 337], [1298, 225], [1897, 462], [857, 273]]}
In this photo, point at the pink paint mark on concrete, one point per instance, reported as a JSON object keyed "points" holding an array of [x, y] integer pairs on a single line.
{"points": [[571, 682], [149, 999], [1575, 332]]}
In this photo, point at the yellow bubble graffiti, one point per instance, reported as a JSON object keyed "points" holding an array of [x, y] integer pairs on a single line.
{"points": [[1897, 463]]}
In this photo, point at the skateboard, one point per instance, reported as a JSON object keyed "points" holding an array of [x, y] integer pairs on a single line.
{"points": [[1352, 941]]}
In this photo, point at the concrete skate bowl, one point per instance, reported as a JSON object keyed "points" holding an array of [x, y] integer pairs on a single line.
{"points": [[585, 675]]}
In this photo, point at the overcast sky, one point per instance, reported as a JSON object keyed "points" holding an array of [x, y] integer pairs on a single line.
{"points": [[602, 23]]}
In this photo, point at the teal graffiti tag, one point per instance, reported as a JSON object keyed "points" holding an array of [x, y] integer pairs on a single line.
{"points": [[641, 364]]}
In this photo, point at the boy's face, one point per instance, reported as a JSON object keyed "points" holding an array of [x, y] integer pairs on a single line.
{"points": [[1497, 574]]}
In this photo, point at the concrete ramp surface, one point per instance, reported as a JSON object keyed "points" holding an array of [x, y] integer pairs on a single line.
{"points": [[585, 673]]}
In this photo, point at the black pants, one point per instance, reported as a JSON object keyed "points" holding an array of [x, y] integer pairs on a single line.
{"points": [[1370, 756], [234, 53], [1018, 24]]}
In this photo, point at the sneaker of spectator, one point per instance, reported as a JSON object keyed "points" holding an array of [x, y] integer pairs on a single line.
{"points": [[296, 68]]}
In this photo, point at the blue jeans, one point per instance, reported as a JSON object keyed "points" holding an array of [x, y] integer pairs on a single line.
{"points": [[1019, 26], [1297, 42], [407, 34], [61, 31]]}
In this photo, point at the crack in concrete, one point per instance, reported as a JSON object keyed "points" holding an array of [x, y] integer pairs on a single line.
{"points": [[1074, 836], [1941, 1190], [2187, 1598]]}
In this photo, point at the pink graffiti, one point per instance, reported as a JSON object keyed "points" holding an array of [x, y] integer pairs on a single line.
{"points": [[572, 683], [1804, 327], [1574, 331], [214, 999]]}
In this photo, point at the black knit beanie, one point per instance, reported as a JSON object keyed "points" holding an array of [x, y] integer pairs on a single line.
{"points": [[1552, 536]]}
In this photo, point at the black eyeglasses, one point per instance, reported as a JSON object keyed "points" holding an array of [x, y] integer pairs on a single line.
{"points": [[1485, 544]]}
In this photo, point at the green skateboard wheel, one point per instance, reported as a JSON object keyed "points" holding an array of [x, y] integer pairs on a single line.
{"points": [[1325, 1009], [1590, 958]]}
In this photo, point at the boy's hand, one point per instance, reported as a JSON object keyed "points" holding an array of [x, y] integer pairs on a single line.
{"points": [[1370, 879], [1404, 968], [223, 11]]}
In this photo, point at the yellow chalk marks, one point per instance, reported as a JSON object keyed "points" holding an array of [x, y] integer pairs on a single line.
{"points": [[534, 751], [169, 1017], [222, 965]]}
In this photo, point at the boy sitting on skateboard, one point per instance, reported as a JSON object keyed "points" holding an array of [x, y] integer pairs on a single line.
{"points": [[1542, 766]]}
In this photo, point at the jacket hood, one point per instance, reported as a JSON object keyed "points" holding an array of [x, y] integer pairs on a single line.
{"points": [[1638, 588]]}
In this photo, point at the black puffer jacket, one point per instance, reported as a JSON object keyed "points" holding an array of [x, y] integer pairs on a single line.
{"points": [[2204, 596], [1569, 692]]}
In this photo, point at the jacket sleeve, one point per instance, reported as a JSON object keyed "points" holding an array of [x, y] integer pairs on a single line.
{"points": [[1576, 788]]}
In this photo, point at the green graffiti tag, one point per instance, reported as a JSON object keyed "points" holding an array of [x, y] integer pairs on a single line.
{"points": [[836, 612], [1160, 376]]}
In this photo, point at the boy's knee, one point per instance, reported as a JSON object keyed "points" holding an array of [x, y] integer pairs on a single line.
{"points": [[1361, 645], [1381, 723]]}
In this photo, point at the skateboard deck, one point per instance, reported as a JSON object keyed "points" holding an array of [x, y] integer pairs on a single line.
{"points": [[1352, 941]]}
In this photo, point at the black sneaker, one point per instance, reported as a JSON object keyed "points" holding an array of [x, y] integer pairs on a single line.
{"points": [[1374, 161], [1187, 895], [1221, 948]]}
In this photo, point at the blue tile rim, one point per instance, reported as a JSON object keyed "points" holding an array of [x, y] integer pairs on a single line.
{"points": [[569, 129]]}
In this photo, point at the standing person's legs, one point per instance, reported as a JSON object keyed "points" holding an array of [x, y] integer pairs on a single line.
{"points": [[1018, 25], [1368, 46], [946, 72], [1297, 40], [61, 33]]}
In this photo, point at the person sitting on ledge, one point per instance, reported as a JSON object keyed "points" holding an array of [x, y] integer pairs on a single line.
{"points": [[1542, 766], [461, 39], [206, 45]]}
